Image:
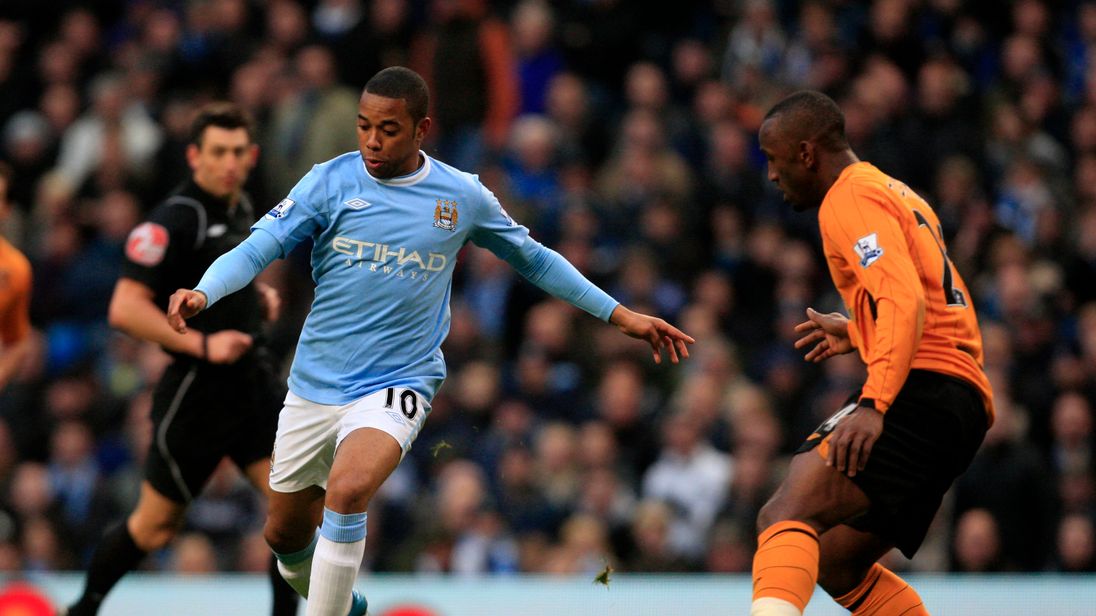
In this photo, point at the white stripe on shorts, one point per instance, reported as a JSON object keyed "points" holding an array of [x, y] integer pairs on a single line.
{"points": [[161, 434]]}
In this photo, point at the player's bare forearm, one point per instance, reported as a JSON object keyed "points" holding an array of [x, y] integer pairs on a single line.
{"points": [[657, 332], [133, 311]]}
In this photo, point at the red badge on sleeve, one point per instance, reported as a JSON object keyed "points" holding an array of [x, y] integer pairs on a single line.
{"points": [[147, 244]]}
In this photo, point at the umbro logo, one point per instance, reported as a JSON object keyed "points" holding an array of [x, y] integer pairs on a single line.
{"points": [[357, 203]]}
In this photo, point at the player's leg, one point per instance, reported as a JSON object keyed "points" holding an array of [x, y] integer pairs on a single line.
{"points": [[284, 593], [374, 434], [812, 499], [364, 460], [151, 526], [175, 469], [259, 400], [304, 448], [930, 433], [290, 530], [155, 520], [850, 573]]}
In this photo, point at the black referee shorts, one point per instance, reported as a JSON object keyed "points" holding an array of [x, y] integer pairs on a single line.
{"points": [[930, 434], [203, 412]]}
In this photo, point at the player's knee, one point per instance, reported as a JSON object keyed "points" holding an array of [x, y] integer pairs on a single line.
{"points": [[286, 536], [772, 512], [280, 539], [151, 534], [782, 508], [351, 492]]}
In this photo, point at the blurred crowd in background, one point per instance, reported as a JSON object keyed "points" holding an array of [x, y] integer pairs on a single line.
{"points": [[624, 135]]}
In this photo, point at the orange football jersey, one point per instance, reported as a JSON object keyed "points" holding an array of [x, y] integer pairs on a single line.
{"points": [[908, 306], [14, 294]]}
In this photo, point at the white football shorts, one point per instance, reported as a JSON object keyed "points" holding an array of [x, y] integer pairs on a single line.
{"points": [[309, 433]]}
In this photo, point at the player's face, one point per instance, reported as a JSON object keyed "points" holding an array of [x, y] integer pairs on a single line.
{"points": [[388, 137], [786, 167], [223, 161]]}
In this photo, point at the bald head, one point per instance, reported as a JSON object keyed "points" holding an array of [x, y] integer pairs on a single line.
{"points": [[808, 115]]}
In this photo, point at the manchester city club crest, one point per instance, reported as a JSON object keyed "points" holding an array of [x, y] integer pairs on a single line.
{"points": [[445, 215]]}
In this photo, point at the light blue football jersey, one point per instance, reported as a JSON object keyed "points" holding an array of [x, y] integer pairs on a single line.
{"points": [[383, 259]]}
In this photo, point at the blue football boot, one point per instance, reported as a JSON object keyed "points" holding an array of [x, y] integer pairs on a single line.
{"points": [[358, 605]]}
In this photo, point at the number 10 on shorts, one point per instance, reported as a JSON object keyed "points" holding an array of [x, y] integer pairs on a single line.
{"points": [[409, 402]]}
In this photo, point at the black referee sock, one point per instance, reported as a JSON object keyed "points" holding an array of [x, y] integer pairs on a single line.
{"points": [[115, 556], [285, 598]]}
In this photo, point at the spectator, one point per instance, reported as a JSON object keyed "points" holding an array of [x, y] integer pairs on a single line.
{"points": [[651, 539], [538, 58], [112, 127], [308, 125], [976, 547], [692, 478], [1076, 544], [1007, 478], [467, 54]]}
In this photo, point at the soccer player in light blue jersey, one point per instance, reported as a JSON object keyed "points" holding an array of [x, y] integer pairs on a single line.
{"points": [[387, 223]]}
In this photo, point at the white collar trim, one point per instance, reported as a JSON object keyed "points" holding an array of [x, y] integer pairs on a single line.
{"points": [[410, 179]]}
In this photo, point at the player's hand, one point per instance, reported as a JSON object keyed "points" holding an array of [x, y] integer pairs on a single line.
{"points": [[270, 300], [655, 331], [182, 305], [227, 346], [851, 441], [828, 332]]}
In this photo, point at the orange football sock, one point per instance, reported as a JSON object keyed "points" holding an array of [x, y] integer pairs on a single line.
{"points": [[882, 593], [785, 569]]}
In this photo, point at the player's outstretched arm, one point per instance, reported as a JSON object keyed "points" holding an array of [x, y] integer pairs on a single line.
{"points": [[231, 272], [658, 333], [184, 304], [829, 333]]}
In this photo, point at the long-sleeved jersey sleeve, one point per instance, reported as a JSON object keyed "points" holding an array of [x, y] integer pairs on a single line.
{"points": [[236, 268], [872, 266], [539, 264]]}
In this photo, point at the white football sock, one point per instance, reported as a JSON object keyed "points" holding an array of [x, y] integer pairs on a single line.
{"points": [[335, 563], [296, 568], [771, 606]]}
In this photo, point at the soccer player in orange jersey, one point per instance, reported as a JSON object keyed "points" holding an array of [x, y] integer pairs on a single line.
{"points": [[871, 477], [15, 276]]}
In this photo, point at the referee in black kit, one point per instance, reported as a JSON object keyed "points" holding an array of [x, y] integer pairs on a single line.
{"points": [[220, 396]]}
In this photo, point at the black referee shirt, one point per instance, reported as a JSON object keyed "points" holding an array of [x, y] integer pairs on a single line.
{"points": [[179, 240]]}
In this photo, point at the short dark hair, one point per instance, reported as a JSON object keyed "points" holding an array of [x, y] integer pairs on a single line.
{"points": [[222, 115], [6, 172], [811, 115], [402, 82]]}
